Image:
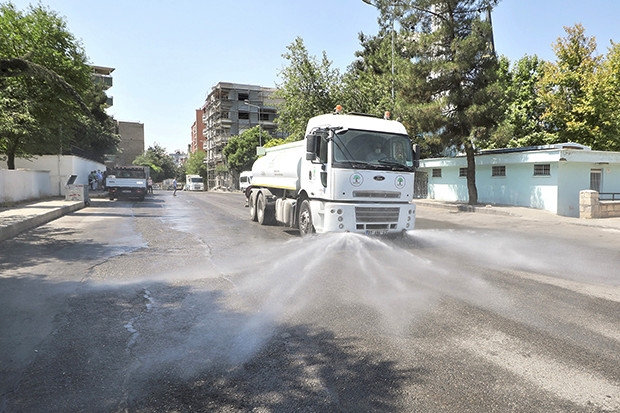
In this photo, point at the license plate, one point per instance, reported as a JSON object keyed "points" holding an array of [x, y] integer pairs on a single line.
{"points": [[377, 232]]}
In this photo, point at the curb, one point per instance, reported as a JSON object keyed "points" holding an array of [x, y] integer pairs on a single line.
{"points": [[489, 209], [24, 224]]}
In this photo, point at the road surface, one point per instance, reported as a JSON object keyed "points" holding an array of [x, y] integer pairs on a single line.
{"points": [[182, 304]]}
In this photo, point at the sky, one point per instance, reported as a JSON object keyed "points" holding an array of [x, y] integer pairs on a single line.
{"points": [[168, 55]]}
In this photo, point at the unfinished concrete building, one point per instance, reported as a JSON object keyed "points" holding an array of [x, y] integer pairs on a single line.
{"points": [[229, 110]]}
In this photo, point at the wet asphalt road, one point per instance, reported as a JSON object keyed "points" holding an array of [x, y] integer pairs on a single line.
{"points": [[181, 304]]}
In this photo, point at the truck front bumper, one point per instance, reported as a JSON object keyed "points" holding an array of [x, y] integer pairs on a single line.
{"points": [[370, 219]]}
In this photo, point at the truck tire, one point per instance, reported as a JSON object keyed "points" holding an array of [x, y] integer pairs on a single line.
{"points": [[304, 219], [252, 205], [264, 214]]}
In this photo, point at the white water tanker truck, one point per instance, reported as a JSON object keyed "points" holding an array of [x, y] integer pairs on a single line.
{"points": [[351, 173]]}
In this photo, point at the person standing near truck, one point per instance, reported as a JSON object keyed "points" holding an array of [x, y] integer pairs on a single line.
{"points": [[149, 185]]}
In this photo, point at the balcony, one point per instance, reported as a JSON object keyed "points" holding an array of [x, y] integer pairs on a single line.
{"points": [[105, 81]]}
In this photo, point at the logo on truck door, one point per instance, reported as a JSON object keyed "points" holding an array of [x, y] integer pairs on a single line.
{"points": [[399, 182], [356, 179]]}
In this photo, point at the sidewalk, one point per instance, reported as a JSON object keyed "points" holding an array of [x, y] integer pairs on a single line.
{"points": [[530, 214], [22, 217]]}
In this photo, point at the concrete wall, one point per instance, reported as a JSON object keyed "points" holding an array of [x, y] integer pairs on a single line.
{"points": [[591, 207], [22, 185], [43, 176]]}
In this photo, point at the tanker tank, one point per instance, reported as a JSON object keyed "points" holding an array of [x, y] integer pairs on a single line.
{"points": [[280, 167]]}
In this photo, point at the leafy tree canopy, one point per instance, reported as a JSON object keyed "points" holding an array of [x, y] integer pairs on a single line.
{"points": [[48, 101], [195, 164], [162, 165], [240, 151], [308, 88]]}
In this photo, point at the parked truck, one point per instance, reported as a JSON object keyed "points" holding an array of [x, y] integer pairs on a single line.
{"points": [[128, 182], [351, 173], [194, 183]]}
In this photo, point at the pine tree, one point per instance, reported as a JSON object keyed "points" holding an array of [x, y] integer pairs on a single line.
{"points": [[450, 92]]}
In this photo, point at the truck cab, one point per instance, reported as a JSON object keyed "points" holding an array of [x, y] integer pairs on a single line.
{"points": [[363, 167], [352, 173], [245, 180], [194, 183]]}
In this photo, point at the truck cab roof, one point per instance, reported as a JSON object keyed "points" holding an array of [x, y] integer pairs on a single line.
{"points": [[355, 121]]}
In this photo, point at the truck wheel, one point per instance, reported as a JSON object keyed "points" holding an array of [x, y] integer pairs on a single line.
{"points": [[263, 214], [305, 219], [252, 205]]}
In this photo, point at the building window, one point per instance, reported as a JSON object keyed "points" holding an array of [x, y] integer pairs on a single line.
{"points": [[243, 96], [462, 172], [244, 115], [542, 169], [499, 170], [595, 179], [436, 172]]}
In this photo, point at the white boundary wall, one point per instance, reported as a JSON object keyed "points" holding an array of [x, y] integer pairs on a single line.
{"points": [[43, 176], [19, 185]]}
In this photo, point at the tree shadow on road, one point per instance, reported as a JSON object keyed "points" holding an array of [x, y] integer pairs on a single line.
{"points": [[301, 368]]}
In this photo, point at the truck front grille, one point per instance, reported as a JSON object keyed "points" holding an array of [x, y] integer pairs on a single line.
{"points": [[376, 215], [376, 194]]}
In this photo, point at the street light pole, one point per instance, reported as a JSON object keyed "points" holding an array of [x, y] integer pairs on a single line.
{"points": [[392, 30], [260, 134]]}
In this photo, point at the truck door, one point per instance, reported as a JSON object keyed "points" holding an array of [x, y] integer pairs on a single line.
{"points": [[317, 173]]}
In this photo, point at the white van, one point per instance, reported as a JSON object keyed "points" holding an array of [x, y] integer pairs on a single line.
{"points": [[194, 183], [245, 180]]}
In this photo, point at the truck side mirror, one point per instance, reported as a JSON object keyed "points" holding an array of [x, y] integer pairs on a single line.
{"points": [[311, 141], [416, 155]]}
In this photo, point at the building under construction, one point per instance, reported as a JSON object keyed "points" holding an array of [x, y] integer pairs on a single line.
{"points": [[229, 110]]}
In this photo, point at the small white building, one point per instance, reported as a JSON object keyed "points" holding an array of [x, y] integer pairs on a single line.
{"points": [[542, 177]]}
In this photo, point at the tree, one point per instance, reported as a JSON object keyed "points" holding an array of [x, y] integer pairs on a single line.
{"points": [[607, 100], [522, 124], [240, 151], [568, 90], [309, 88], [450, 89], [46, 90], [368, 82], [161, 164], [195, 164]]}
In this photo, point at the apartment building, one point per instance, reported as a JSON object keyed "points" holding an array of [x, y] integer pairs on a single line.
{"points": [[103, 75], [131, 133], [131, 145], [198, 139], [229, 110]]}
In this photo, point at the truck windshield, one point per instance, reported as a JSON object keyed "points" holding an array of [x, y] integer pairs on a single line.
{"points": [[377, 150]]}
